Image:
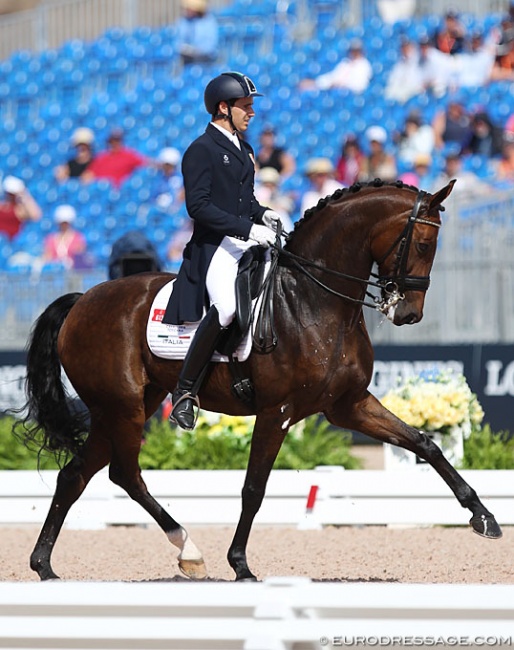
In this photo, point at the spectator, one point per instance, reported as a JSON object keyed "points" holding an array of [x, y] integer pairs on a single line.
{"points": [[178, 242], [505, 166], [416, 138], [405, 79], [67, 245], [378, 163], [320, 173], [436, 68], [354, 73], [116, 163], [486, 138], [197, 33], [452, 126], [475, 68], [132, 253], [271, 155], [468, 183], [504, 60], [422, 170], [17, 207], [82, 139], [267, 192], [349, 164], [168, 192], [451, 38]]}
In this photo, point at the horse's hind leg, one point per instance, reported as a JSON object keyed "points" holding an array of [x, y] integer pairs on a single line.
{"points": [[71, 482], [371, 418], [124, 470], [267, 439]]}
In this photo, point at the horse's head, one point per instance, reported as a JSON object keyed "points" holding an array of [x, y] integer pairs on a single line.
{"points": [[404, 250]]}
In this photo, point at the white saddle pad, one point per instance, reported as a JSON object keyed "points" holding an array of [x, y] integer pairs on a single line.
{"points": [[172, 341]]}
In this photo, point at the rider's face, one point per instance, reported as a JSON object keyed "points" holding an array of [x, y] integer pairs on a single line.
{"points": [[242, 113]]}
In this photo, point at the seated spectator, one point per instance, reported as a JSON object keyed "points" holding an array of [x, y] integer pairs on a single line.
{"points": [[486, 137], [116, 163], [267, 192], [451, 38], [505, 166], [416, 138], [197, 33], [82, 139], [17, 207], [349, 163], [474, 68], [378, 163], [67, 245], [405, 79], [504, 56], [270, 154], [452, 126], [436, 68], [353, 72], [320, 173], [168, 189], [132, 253], [468, 183]]}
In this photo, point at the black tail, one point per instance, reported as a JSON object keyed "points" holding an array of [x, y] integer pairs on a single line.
{"points": [[49, 423]]}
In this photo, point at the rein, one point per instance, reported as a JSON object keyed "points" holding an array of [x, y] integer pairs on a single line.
{"points": [[393, 286]]}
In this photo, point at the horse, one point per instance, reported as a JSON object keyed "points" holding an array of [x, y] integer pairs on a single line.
{"points": [[322, 362]]}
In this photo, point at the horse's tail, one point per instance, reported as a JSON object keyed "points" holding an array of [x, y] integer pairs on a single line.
{"points": [[49, 423]]}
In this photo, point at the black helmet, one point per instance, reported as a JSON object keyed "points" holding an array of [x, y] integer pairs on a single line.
{"points": [[227, 86]]}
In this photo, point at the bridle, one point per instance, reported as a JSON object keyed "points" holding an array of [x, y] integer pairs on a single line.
{"points": [[393, 286]]}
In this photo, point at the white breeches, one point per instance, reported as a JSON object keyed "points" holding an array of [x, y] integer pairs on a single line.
{"points": [[221, 277]]}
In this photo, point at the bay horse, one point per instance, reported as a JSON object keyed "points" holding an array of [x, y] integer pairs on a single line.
{"points": [[322, 362]]}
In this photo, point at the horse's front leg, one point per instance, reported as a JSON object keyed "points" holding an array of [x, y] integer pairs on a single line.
{"points": [[267, 438], [370, 417]]}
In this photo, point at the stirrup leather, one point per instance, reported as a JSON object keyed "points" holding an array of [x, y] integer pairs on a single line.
{"points": [[196, 401]]}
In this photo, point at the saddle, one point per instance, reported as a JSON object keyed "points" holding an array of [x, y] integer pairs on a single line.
{"points": [[250, 285]]}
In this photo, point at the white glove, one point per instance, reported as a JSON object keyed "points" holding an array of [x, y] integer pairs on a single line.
{"points": [[262, 235], [271, 219]]}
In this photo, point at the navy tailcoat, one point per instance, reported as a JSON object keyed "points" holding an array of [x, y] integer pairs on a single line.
{"points": [[219, 189]]}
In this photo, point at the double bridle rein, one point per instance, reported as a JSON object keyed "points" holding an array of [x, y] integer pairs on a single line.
{"points": [[393, 286]]}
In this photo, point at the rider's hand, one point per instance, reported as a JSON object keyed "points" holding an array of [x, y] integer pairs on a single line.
{"points": [[271, 219], [262, 235]]}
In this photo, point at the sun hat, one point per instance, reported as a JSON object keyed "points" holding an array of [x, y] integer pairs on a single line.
{"points": [[194, 5], [82, 135], [376, 134], [319, 166], [64, 213], [13, 185], [169, 156], [268, 175]]}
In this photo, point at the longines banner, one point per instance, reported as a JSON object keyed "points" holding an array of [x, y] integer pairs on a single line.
{"points": [[489, 370]]}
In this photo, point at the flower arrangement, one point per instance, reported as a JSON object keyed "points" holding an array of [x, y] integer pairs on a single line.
{"points": [[436, 401], [442, 405]]}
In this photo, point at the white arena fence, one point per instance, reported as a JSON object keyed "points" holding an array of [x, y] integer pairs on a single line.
{"points": [[306, 499], [277, 614]]}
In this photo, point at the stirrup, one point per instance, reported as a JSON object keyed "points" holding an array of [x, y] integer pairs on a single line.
{"points": [[196, 402]]}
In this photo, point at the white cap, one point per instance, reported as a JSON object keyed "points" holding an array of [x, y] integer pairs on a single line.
{"points": [[319, 166], [169, 155], [13, 185], [376, 134], [82, 135], [64, 213]]}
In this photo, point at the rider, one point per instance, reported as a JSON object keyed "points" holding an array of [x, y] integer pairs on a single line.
{"points": [[218, 170]]}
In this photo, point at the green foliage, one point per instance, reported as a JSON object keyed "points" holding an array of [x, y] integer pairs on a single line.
{"points": [[15, 455], [487, 450], [223, 442]]}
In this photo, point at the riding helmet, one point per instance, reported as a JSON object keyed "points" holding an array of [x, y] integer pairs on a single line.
{"points": [[227, 86]]}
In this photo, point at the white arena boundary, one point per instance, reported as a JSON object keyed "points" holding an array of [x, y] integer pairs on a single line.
{"points": [[415, 496], [277, 614]]}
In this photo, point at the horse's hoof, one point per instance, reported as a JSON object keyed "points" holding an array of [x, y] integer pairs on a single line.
{"points": [[194, 569], [247, 579], [486, 526]]}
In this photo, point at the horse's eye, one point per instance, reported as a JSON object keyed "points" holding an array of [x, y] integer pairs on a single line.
{"points": [[422, 248]]}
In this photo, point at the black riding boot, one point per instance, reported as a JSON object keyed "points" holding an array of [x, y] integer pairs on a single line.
{"points": [[198, 356]]}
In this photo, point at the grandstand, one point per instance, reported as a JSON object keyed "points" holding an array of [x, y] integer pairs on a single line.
{"points": [[128, 75]]}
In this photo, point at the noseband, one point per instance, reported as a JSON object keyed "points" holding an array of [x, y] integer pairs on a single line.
{"points": [[392, 286]]}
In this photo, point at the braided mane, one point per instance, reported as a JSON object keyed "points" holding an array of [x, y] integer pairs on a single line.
{"points": [[344, 191]]}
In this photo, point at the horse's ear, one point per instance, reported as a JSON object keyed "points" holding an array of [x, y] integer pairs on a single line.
{"points": [[441, 195]]}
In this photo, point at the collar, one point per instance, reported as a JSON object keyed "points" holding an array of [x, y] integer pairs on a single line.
{"points": [[231, 136]]}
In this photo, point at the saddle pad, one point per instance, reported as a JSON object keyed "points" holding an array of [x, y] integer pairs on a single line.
{"points": [[172, 341]]}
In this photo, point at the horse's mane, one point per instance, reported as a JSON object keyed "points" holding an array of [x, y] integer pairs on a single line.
{"points": [[348, 191]]}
